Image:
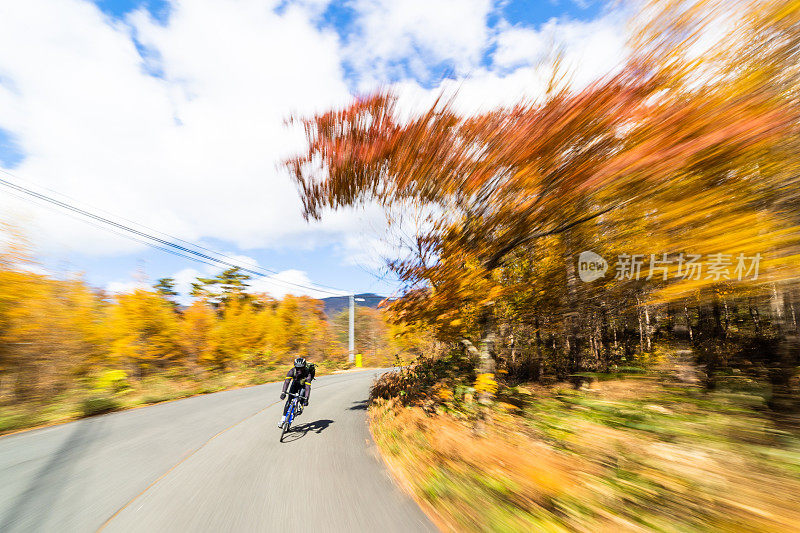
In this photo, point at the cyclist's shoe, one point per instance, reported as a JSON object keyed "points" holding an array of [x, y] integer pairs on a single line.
{"points": [[280, 424], [300, 409]]}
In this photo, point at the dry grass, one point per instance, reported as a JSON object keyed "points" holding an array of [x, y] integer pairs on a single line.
{"points": [[630, 455]]}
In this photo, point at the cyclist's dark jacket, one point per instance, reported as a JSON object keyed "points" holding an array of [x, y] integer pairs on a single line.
{"points": [[299, 374], [298, 377]]}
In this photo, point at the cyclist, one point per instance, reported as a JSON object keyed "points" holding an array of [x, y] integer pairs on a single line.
{"points": [[299, 377]]}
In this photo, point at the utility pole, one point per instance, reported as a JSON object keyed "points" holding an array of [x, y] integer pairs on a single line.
{"points": [[352, 344], [352, 329]]}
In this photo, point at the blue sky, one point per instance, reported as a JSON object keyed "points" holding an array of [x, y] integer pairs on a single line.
{"points": [[10, 153], [171, 115], [120, 8], [341, 14]]}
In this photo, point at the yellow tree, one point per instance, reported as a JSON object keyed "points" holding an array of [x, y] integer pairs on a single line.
{"points": [[197, 335], [27, 333], [301, 329], [239, 332], [145, 332], [50, 330], [687, 147]]}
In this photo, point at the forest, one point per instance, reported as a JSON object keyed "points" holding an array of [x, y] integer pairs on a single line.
{"points": [[610, 274], [68, 349], [678, 172]]}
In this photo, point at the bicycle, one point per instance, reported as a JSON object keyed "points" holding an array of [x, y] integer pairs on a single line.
{"points": [[295, 408]]}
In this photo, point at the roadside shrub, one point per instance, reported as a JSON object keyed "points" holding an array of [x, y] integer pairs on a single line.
{"points": [[112, 380], [419, 380], [391, 385], [98, 405]]}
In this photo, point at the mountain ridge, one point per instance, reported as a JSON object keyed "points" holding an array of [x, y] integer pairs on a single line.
{"points": [[336, 304]]}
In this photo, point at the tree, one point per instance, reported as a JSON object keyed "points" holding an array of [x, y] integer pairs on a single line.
{"points": [[238, 331], [145, 331], [684, 147], [300, 329], [166, 288], [62, 335], [50, 330], [224, 288], [197, 338]]}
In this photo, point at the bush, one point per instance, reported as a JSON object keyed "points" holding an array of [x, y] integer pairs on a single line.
{"points": [[112, 380], [98, 405], [390, 385], [416, 381]]}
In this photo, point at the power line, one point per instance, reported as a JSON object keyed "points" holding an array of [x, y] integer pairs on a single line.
{"points": [[174, 249], [110, 230], [172, 237], [161, 243]]}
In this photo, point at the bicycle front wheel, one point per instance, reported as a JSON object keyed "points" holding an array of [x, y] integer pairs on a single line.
{"points": [[284, 430], [288, 421]]}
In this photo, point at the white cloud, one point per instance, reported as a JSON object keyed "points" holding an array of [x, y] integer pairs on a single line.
{"points": [[420, 32], [196, 150], [589, 49], [523, 64], [195, 153], [121, 287], [183, 283], [520, 46], [288, 282], [482, 91]]}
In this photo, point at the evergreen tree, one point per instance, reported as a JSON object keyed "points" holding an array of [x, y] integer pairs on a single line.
{"points": [[221, 290], [166, 288]]}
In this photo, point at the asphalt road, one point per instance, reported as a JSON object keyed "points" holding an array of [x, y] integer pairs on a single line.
{"points": [[208, 463]]}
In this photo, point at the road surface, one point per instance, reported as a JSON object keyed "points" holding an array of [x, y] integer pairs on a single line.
{"points": [[208, 463]]}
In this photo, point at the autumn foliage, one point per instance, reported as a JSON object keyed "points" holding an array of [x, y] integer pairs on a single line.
{"points": [[689, 148], [68, 349]]}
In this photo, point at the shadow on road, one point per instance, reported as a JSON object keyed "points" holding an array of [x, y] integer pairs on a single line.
{"points": [[34, 504], [298, 432], [359, 406]]}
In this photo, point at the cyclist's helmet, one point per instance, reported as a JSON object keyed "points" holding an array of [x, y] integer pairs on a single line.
{"points": [[299, 362]]}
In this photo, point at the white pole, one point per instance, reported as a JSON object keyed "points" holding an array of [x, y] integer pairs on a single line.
{"points": [[352, 343]]}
